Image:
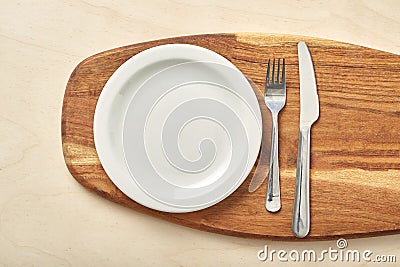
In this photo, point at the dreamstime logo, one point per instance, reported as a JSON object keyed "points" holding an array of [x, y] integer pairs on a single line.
{"points": [[341, 254], [341, 243]]}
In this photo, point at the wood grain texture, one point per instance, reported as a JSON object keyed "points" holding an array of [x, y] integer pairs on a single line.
{"points": [[355, 147]]}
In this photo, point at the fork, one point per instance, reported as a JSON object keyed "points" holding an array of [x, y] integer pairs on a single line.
{"points": [[275, 99]]}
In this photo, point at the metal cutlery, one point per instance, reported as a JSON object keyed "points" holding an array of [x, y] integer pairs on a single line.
{"points": [[275, 99], [309, 113]]}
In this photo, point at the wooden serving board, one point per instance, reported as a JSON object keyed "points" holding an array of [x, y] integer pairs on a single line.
{"points": [[355, 147]]}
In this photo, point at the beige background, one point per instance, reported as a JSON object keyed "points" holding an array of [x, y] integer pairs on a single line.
{"points": [[48, 219]]}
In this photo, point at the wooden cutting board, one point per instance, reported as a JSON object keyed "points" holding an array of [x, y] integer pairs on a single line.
{"points": [[355, 147]]}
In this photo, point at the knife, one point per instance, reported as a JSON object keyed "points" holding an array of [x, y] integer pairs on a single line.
{"points": [[309, 113]]}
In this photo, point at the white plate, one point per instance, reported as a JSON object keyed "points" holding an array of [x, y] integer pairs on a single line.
{"points": [[192, 133], [114, 100]]}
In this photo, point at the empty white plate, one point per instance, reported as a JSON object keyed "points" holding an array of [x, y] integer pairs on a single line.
{"points": [[114, 100], [192, 133]]}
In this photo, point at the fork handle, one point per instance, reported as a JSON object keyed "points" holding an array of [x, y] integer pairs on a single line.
{"points": [[273, 199], [301, 209]]}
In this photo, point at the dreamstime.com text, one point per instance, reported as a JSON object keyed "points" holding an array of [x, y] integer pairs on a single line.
{"points": [[338, 254]]}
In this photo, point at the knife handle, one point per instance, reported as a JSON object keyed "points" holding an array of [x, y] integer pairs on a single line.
{"points": [[301, 209]]}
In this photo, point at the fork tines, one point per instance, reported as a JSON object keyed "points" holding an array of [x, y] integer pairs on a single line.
{"points": [[276, 79]]}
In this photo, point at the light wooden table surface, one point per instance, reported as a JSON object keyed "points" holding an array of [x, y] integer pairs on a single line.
{"points": [[48, 219]]}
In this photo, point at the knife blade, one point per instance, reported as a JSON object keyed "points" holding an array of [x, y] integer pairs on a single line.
{"points": [[309, 113], [309, 103]]}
